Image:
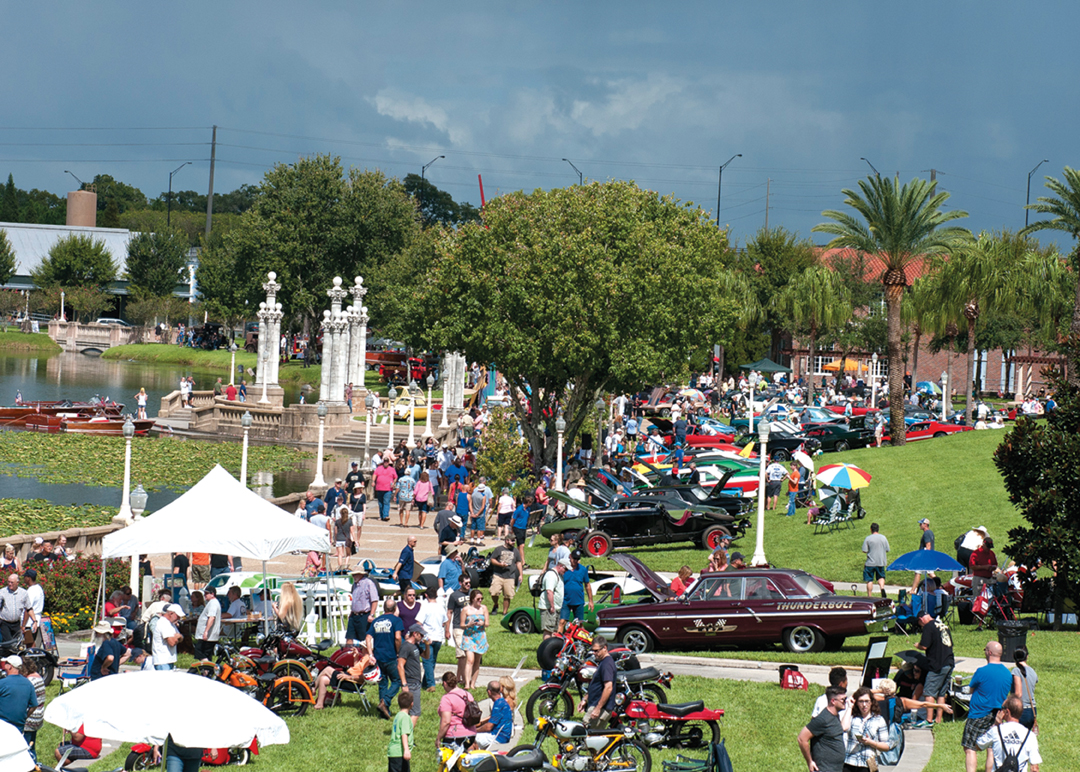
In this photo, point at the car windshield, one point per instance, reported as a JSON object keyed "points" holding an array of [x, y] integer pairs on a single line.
{"points": [[809, 587]]}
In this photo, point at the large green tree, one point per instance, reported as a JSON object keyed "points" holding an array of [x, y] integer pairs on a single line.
{"points": [[438, 206], [818, 302], [898, 225], [76, 261], [157, 262], [571, 293], [7, 259], [116, 197], [772, 259]]}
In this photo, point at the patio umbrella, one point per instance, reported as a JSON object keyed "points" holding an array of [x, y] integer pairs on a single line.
{"points": [[828, 496], [843, 476], [149, 705], [14, 755], [695, 394], [925, 560], [803, 459], [928, 386], [848, 365], [914, 657]]}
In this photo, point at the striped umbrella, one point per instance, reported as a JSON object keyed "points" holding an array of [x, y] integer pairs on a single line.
{"points": [[843, 476]]}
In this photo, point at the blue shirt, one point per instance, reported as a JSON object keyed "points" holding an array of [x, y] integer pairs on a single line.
{"points": [[574, 585], [521, 517], [107, 648], [17, 699], [456, 473], [462, 505], [450, 572], [990, 685], [382, 638], [406, 560], [502, 720]]}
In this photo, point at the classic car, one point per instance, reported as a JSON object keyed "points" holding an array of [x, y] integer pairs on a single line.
{"points": [[712, 470], [784, 439], [419, 405], [748, 607], [606, 592], [841, 436], [860, 410], [696, 436], [924, 430]]}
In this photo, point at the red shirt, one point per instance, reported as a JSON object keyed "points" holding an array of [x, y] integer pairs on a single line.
{"points": [[385, 477], [230, 392], [983, 562], [89, 744]]}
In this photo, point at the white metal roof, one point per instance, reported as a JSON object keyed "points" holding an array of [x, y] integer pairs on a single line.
{"points": [[31, 243]]}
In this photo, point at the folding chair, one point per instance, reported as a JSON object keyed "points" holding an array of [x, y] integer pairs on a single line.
{"points": [[80, 676], [359, 688]]}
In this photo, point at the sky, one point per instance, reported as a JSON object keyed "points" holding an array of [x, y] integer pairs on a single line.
{"points": [[659, 93]]}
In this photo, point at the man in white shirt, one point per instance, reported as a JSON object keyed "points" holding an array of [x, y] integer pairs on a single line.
{"points": [[432, 617], [166, 636], [1009, 735], [36, 596], [774, 476], [237, 608], [577, 493], [208, 628]]}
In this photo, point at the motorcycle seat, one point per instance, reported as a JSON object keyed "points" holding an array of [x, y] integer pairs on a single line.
{"points": [[264, 660], [530, 759], [640, 675], [266, 678], [322, 645], [683, 708]]}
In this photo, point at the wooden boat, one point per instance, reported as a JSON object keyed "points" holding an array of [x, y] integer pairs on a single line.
{"points": [[56, 407], [100, 424]]}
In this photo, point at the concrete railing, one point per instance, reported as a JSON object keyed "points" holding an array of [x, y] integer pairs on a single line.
{"points": [[74, 336], [171, 402], [224, 416], [84, 541]]}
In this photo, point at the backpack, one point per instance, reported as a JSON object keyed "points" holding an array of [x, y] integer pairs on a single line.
{"points": [[470, 717], [142, 636], [537, 589], [1011, 762], [891, 757]]}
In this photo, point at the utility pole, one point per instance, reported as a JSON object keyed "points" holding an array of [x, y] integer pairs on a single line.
{"points": [[210, 192], [933, 176], [768, 184]]}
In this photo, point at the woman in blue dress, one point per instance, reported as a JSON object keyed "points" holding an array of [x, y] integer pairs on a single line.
{"points": [[474, 624]]}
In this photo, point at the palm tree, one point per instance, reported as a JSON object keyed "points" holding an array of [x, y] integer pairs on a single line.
{"points": [[817, 301], [1064, 210], [898, 225]]}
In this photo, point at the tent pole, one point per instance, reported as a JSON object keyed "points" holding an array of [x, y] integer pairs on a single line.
{"points": [[265, 596], [99, 602]]}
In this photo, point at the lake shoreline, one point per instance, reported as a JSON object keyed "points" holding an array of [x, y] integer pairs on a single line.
{"points": [[28, 342]]}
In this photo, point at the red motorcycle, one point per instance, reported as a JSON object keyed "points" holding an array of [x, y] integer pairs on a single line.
{"points": [[141, 756], [284, 655], [688, 725]]}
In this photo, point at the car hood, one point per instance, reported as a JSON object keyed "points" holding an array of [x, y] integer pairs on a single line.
{"points": [[649, 579]]}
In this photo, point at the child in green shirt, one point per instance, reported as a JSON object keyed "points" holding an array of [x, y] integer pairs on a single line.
{"points": [[399, 752]]}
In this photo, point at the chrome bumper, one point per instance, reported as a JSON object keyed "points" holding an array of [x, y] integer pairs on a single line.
{"points": [[607, 632], [877, 625]]}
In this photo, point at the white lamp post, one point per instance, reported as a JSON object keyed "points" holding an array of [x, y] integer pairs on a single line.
{"points": [[430, 407], [444, 423], [369, 402], [138, 506], [391, 396], [232, 364], [560, 427], [245, 421], [763, 453], [944, 393], [873, 380], [750, 412], [413, 388], [124, 515], [598, 445], [319, 482]]}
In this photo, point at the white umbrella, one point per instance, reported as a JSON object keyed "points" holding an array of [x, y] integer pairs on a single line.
{"points": [[803, 459], [14, 755], [149, 705]]}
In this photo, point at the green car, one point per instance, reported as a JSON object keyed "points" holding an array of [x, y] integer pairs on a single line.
{"points": [[607, 592]]}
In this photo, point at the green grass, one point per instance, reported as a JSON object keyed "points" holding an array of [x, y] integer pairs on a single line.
{"points": [[35, 342]]}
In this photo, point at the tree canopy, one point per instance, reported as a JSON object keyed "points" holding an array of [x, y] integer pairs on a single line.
{"points": [[76, 261], [438, 206], [7, 259], [156, 262]]}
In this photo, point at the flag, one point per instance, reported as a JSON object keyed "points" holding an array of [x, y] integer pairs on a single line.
{"points": [[745, 452]]}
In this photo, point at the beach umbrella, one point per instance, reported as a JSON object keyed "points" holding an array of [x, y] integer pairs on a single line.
{"points": [[925, 560], [828, 496], [803, 459], [695, 394], [843, 476], [14, 755], [928, 386], [149, 705]]}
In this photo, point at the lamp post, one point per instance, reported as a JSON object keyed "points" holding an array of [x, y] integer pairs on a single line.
{"points": [[430, 407], [138, 506], [876, 172], [873, 380], [750, 410], [580, 176], [319, 482], [370, 401], [232, 364], [560, 427], [763, 454], [598, 445], [391, 396], [168, 216], [444, 423], [413, 388], [245, 421], [124, 515], [63, 299], [423, 173], [944, 393], [1027, 201], [719, 184]]}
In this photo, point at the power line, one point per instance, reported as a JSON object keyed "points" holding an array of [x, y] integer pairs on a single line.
{"points": [[103, 128]]}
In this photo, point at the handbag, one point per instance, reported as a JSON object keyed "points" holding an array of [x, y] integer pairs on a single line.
{"points": [[871, 762]]}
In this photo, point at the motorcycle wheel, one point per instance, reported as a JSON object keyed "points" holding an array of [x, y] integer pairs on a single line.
{"points": [[289, 699], [653, 693], [631, 756], [548, 702], [695, 735], [205, 668], [284, 669], [137, 762], [47, 673], [547, 651], [241, 757]]}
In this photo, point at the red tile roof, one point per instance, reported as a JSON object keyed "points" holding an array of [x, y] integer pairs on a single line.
{"points": [[874, 264]]}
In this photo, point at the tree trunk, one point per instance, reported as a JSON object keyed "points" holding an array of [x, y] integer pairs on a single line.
{"points": [[970, 369], [1073, 368], [720, 366], [894, 296]]}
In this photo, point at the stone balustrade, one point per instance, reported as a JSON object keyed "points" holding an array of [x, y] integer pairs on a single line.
{"points": [[84, 541], [171, 402]]}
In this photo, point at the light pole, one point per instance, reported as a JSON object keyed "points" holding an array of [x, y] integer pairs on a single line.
{"points": [[232, 364], [423, 172], [944, 393], [370, 401], [719, 184], [391, 396], [444, 423], [245, 421], [63, 297], [319, 482], [1027, 201], [124, 515], [430, 407], [580, 176], [81, 183], [759, 550], [413, 388], [560, 427], [750, 410], [168, 216], [873, 380], [598, 444], [876, 172], [138, 506]]}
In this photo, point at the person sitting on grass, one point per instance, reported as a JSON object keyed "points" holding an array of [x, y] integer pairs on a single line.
{"points": [[81, 747]]}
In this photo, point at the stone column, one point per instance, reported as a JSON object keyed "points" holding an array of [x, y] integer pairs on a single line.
{"points": [[269, 338], [339, 325], [264, 334], [358, 338], [327, 358]]}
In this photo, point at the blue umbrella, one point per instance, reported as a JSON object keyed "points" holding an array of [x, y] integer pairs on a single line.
{"points": [[925, 560]]}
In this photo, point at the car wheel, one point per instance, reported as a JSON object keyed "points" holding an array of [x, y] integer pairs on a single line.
{"points": [[803, 640], [522, 624], [842, 446], [665, 413], [598, 544], [636, 639], [939, 434], [710, 540], [781, 455]]}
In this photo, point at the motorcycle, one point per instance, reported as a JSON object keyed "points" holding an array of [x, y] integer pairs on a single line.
{"points": [[141, 756], [687, 725], [577, 641], [580, 750], [459, 760], [284, 655], [284, 695], [45, 660]]}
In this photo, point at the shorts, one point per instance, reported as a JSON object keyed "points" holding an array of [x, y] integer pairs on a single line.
{"points": [[200, 574], [397, 764], [415, 690], [974, 728], [340, 542], [519, 536], [503, 586], [772, 489], [422, 506], [357, 628], [458, 651], [478, 523], [870, 573], [601, 722], [505, 518], [937, 683], [77, 753], [549, 621], [568, 612], [357, 519]]}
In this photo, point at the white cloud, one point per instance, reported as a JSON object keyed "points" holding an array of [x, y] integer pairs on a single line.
{"points": [[628, 104], [413, 109]]}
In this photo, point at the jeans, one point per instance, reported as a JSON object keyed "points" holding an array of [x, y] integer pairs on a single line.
{"points": [[218, 571], [389, 684], [791, 503], [175, 763], [384, 503], [429, 663], [170, 666]]}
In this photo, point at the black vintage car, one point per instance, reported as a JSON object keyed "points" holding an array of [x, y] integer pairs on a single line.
{"points": [[784, 440], [841, 436]]}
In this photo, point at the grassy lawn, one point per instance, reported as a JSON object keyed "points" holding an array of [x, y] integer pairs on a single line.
{"points": [[35, 342]]}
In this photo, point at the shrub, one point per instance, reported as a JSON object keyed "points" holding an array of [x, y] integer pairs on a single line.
{"points": [[71, 588]]}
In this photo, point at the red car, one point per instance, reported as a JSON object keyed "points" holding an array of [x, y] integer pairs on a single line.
{"points": [[695, 436], [924, 430], [854, 411]]}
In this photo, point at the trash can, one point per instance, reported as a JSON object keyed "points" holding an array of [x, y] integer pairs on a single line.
{"points": [[1011, 636]]}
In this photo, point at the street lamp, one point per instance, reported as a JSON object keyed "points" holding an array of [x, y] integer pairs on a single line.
{"points": [[560, 427], [873, 380], [232, 364], [580, 176], [759, 550], [124, 515], [423, 172], [81, 183], [391, 396], [413, 388], [430, 407], [944, 393], [876, 172], [369, 402], [245, 421], [319, 482], [1027, 202], [719, 184], [168, 216], [598, 445], [138, 506]]}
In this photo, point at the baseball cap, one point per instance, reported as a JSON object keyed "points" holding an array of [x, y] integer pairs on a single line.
{"points": [[737, 556], [418, 629], [924, 521], [14, 660], [565, 563], [175, 608], [209, 590], [355, 463], [30, 573]]}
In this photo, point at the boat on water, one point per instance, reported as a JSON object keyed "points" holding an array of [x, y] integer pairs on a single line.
{"points": [[79, 424], [62, 407]]}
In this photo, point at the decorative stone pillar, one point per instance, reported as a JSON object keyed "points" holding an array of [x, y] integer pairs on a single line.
{"points": [[327, 354], [269, 338], [264, 335], [339, 328], [358, 318]]}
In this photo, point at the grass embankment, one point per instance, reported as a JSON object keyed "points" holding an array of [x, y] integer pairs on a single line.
{"points": [[28, 516], [32, 342], [155, 463]]}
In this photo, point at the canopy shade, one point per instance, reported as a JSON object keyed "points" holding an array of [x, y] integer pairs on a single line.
{"points": [[219, 514], [925, 560], [14, 755], [766, 365], [849, 365]]}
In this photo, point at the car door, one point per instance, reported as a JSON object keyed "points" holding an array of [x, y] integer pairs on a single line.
{"points": [[713, 614]]}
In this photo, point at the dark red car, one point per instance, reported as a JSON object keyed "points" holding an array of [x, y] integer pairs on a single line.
{"points": [[747, 607], [924, 430]]}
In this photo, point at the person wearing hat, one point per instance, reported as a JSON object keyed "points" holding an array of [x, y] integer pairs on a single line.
{"points": [[926, 542], [449, 538], [551, 597], [968, 543], [737, 560], [166, 636], [208, 628], [385, 477], [354, 477], [577, 493], [110, 653], [17, 695], [410, 668], [365, 604]]}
